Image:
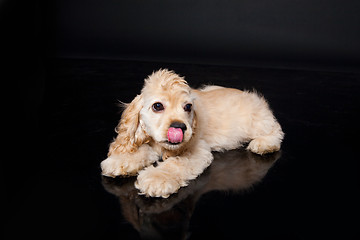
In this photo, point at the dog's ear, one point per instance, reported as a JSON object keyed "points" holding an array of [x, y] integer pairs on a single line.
{"points": [[130, 132]]}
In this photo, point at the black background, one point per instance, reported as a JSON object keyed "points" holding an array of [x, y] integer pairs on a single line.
{"points": [[67, 63], [213, 31]]}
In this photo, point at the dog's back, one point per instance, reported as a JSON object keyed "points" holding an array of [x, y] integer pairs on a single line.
{"points": [[229, 117]]}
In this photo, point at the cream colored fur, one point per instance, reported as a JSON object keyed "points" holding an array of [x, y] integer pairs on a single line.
{"points": [[220, 119]]}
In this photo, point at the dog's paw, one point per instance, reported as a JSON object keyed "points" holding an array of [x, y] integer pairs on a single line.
{"points": [[112, 167], [155, 182], [263, 145]]}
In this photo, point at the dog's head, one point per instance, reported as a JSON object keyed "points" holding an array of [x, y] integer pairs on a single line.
{"points": [[168, 109], [163, 112]]}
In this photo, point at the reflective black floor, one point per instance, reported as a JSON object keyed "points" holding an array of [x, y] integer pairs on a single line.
{"points": [[309, 190]]}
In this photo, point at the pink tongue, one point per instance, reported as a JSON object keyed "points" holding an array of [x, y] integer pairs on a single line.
{"points": [[175, 135]]}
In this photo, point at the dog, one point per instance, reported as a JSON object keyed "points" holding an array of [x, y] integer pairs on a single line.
{"points": [[166, 135]]}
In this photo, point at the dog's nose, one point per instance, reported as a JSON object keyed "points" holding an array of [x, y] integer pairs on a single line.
{"points": [[180, 125]]}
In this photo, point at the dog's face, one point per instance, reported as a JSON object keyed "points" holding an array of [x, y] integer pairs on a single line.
{"points": [[167, 114]]}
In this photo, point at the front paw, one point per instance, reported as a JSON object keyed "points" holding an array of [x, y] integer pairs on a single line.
{"points": [[155, 182], [112, 167]]}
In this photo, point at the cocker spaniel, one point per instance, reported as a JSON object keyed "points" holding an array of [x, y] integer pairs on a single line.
{"points": [[166, 134]]}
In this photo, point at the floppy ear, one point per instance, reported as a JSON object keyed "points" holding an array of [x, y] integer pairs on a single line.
{"points": [[130, 133]]}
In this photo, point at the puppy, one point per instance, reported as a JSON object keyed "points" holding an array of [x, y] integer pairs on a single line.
{"points": [[176, 127]]}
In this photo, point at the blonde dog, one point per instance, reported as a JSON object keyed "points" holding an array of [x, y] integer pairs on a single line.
{"points": [[166, 134]]}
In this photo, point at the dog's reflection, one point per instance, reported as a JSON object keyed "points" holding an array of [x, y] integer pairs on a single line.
{"points": [[158, 218]]}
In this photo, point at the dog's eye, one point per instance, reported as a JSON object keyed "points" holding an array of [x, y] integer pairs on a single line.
{"points": [[187, 107], [157, 107]]}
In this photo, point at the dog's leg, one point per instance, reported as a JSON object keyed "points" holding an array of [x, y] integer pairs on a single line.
{"points": [[267, 143], [128, 164], [174, 172]]}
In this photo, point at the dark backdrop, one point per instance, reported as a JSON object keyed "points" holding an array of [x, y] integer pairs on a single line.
{"points": [[213, 31], [202, 31]]}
